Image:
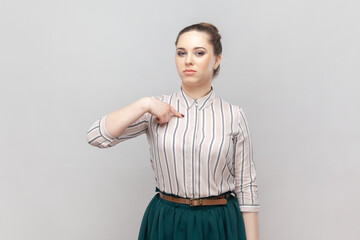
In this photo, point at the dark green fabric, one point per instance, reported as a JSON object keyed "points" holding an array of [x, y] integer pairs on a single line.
{"points": [[165, 220]]}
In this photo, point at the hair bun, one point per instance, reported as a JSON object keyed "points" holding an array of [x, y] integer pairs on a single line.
{"points": [[218, 36], [210, 25]]}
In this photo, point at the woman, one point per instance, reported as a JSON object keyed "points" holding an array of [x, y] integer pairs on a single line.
{"points": [[200, 149]]}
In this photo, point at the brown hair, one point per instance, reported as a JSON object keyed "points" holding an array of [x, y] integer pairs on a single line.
{"points": [[214, 35]]}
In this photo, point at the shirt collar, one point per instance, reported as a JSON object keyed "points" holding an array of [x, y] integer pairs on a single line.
{"points": [[202, 102]]}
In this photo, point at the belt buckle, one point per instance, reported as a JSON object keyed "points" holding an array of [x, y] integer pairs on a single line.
{"points": [[191, 202]]}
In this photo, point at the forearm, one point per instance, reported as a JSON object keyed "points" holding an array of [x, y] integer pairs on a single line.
{"points": [[251, 225], [117, 121]]}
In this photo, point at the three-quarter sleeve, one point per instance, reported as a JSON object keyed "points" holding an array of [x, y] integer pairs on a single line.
{"points": [[98, 136], [245, 175]]}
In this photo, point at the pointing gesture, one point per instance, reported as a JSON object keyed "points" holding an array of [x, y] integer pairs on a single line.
{"points": [[162, 110]]}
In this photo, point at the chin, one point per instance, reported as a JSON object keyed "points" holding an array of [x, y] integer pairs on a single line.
{"points": [[189, 79], [191, 82]]}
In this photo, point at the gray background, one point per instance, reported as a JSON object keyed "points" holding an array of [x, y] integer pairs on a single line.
{"points": [[292, 65]]}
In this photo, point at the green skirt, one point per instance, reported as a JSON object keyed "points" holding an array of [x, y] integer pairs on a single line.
{"points": [[165, 220]]}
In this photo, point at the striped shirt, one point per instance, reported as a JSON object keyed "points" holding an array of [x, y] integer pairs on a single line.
{"points": [[206, 153]]}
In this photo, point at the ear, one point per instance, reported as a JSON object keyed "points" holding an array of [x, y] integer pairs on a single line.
{"points": [[217, 62]]}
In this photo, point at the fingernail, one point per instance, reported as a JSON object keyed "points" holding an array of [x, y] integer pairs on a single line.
{"points": [[182, 115]]}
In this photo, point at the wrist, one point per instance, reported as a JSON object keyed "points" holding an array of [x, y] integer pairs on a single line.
{"points": [[145, 103]]}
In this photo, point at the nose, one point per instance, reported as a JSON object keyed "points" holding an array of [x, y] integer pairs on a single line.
{"points": [[188, 60]]}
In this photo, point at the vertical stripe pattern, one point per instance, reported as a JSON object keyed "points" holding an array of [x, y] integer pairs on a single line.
{"points": [[206, 153]]}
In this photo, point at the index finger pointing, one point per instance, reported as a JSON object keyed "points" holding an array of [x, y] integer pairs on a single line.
{"points": [[176, 113]]}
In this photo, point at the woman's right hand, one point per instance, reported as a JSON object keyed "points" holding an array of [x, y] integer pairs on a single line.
{"points": [[162, 110], [116, 122]]}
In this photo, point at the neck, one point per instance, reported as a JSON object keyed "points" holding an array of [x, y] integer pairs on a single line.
{"points": [[196, 92]]}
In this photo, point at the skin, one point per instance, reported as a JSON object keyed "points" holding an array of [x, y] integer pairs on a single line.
{"points": [[193, 51]]}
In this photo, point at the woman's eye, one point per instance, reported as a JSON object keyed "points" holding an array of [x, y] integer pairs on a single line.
{"points": [[200, 53], [180, 53]]}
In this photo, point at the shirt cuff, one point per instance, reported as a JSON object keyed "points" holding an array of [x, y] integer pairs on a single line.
{"points": [[249, 208], [103, 130]]}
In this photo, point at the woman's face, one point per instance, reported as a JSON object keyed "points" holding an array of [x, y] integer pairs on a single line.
{"points": [[195, 59]]}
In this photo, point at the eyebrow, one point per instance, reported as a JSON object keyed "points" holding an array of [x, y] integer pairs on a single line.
{"points": [[193, 48]]}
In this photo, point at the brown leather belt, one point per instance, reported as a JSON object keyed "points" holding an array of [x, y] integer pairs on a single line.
{"points": [[218, 200]]}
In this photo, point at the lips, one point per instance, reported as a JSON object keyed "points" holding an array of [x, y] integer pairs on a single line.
{"points": [[189, 71]]}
